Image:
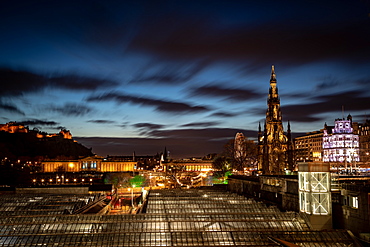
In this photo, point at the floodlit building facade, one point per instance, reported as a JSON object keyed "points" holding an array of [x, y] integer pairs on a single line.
{"points": [[308, 147], [97, 164], [341, 144]]}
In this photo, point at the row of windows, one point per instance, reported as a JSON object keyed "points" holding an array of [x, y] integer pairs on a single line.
{"points": [[88, 165], [76, 167], [351, 201]]}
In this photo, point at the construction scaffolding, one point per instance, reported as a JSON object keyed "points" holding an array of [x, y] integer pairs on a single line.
{"points": [[195, 217]]}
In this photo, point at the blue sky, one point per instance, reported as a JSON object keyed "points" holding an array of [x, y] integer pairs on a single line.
{"points": [[127, 76]]}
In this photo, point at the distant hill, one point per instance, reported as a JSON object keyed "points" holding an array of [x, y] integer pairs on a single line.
{"points": [[31, 145]]}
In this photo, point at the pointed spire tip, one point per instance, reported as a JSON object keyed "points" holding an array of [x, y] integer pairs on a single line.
{"points": [[273, 75]]}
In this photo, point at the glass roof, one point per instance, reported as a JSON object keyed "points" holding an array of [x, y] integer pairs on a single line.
{"points": [[195, 217]]}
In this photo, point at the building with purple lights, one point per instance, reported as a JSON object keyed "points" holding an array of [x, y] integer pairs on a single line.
{"points": [[341, 143]]}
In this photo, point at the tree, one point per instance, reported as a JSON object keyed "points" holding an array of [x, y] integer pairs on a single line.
{"points": [[222, 164], [137, 181], [173, 172], [242, 153], [118, 179], [222, 169]]}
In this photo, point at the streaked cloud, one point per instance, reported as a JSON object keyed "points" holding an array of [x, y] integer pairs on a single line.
{"points": [[10, 108], [232, 94], [101, 121], [224, 114], [20, 82], [38, 122], [201, 124], [149, 126], [71, 109], [158, 104]]}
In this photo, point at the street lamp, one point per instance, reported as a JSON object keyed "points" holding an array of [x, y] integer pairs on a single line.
{"points": [[132, 196]]}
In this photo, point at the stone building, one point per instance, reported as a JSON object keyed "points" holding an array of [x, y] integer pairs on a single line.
{"points": [[341, 144], [14, 127], [308, 147], [364, 134], [88, 164], [275, 148]]}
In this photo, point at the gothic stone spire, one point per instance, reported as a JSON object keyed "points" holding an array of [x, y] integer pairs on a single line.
{"points": [[272, 151]]}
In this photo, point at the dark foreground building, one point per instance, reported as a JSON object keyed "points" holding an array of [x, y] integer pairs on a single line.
{"points": [[195, 217]]}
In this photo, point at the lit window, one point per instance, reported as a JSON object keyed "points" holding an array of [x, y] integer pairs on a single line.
{"points": [[355, 202]]}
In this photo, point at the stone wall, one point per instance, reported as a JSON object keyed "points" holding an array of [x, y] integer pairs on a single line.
{"points": [[281, 191], [347, 216]]}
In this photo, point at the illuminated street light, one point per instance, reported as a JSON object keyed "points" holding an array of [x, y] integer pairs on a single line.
{"points": [[132, 196]]}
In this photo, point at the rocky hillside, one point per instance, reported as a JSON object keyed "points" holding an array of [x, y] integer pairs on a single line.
{"points": [[28, 145]]}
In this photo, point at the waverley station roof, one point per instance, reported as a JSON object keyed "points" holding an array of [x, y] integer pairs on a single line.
{"points": [[194, 217]]}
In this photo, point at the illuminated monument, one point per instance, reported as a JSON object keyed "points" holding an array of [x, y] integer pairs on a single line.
{"points": [[275, 149]]}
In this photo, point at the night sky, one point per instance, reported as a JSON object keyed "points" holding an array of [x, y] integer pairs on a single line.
{"points": [[138, 76]]}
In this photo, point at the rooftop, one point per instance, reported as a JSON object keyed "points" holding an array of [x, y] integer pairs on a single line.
{"points": [[195, 217]]}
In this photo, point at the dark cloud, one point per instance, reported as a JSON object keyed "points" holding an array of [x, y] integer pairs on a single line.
{"points": [[10, 108], [148, 126], [101, 121], [38, 122], [159, 105], [206, 134], [361, 117], [59, 127], [327, 83], [259, 33], [15, 83], [173, 73], [300, 96], [233, 94], [351, 101], [200, 124], [178, 148], [224, 114], [363, 82], [124, 124], [289, 42], [180, 142], [77, 82], [18, 82], [71, 109]]}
